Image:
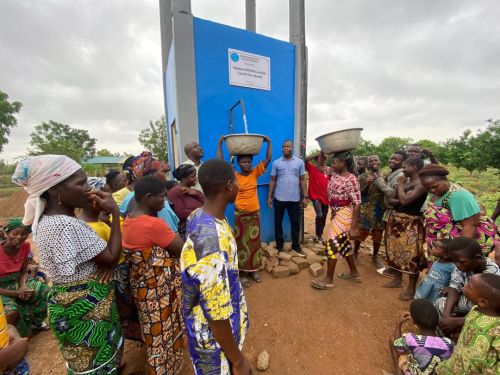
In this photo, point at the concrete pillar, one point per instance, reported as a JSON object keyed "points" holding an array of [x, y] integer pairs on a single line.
{"points": [[185, 75], [298, 38], [250, 15]]}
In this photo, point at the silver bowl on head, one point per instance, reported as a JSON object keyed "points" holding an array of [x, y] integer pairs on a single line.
{"points": [[339, 141], [244, 144]]}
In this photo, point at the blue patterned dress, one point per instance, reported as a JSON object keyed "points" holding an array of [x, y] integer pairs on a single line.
{"points": [[211, 290]]}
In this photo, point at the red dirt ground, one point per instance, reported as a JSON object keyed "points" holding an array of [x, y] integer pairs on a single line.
{"points": [[305, 331]]}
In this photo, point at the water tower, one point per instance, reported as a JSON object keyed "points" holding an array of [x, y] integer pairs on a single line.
{"points": [[203, 77]]}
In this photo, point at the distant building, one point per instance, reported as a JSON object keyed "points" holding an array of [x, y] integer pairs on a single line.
{"points": [[100, 165]]}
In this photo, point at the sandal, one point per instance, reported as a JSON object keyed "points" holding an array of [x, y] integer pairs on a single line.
{"points": [[321, 286], [256, 277], [349, 277], [245, 282], [383, 272], [41, 327]]}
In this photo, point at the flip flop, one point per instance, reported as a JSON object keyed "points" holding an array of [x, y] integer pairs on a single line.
{"points": [[41, 327], [256, 277], [245, 282], [321, 286], [383, 273], [349, 277]]}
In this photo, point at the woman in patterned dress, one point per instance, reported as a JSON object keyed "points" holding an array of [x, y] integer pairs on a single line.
{"points": [[452, 211], [404, 233], [345, 201], [24, 298], [82, 310], [152, 251], [247, 213]]}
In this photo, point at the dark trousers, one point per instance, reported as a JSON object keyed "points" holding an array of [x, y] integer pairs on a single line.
{"points": [[293, 209], [321, 215]]}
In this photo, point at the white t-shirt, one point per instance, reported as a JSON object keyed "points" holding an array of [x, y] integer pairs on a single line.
{"points": [[67, 246]]}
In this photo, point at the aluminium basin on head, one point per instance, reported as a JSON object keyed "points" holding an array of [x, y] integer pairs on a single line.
{"points": [[339, 141], [244, 144]]}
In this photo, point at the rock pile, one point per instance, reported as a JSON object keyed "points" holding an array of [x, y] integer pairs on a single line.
{"points": [[288, 262]]}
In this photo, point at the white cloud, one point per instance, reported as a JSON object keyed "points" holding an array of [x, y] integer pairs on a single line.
{"points": [[421, 69]]}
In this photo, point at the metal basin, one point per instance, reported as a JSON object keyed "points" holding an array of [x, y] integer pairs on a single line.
{"points": [[342, 140], [244, 144]]}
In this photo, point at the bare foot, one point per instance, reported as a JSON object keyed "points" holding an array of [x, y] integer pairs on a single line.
{"points": [[393, 284], [406, 295]]}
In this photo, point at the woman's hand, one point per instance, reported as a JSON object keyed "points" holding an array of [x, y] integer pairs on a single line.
{"points": [[449, 324], [404, 317], [401, 179], [304, 202], [24, 293], [102, 200], [270, 202]]}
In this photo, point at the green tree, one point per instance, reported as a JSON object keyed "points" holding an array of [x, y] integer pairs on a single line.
{"points": [[61, 139], [106, 152], [7, 117], [155, 138], [390, 144], [488, 144], [365, 148], [464, 152], [438, 149]]}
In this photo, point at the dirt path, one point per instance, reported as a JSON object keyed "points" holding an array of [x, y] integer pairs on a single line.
{"points": [[305, 331]]}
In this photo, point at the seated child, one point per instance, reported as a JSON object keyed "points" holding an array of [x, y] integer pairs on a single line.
{"points": [[13, 349], [439, 275], [214, 306], [478, 348], [468, 257], [419, 353]]}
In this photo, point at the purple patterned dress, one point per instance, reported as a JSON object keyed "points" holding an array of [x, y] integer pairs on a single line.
{"points": [[424, 352]]}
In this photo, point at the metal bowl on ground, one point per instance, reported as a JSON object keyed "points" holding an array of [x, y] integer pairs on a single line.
{"points": [[341, 140], [244, 144]]}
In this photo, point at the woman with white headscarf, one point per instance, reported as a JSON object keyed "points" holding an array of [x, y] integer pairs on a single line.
{"points": [[82, 309]]}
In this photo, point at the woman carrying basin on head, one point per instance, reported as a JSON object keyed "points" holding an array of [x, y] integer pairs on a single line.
{"points": [[247, 212]]}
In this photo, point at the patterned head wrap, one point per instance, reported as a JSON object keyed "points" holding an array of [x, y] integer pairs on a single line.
{"points": [[37, 174], [183, 171], [144, 165], [348, 159], [96, 183], [14, 223]]}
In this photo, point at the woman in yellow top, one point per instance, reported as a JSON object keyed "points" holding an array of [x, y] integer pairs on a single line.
{"points": [[247, 213]]}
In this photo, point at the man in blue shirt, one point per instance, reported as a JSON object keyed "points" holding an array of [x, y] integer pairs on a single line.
{"points": [[287, 182]]}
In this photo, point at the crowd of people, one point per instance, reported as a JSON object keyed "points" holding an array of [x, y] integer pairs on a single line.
{"points": [[135, 255]]}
